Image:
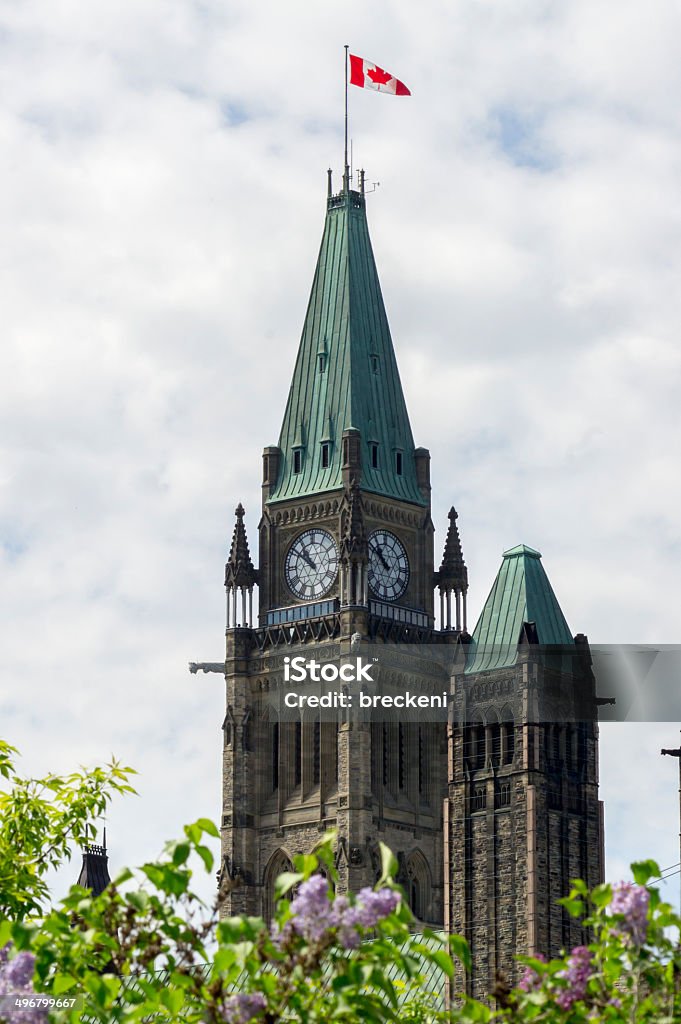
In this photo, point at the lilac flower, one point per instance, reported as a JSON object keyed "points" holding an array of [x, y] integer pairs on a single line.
{"points": [[19, 971], [16, 983], [530, 980], [631, 901], [577, 976], [313, 912], [240, 1008], [372, 907], [314, 915]]}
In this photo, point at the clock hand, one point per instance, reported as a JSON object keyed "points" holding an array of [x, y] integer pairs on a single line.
{"points": [[379, 552], [306, 558]]}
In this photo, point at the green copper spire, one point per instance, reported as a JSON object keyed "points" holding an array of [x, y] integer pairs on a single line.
{"points": [[346, 374], [521, 594]]}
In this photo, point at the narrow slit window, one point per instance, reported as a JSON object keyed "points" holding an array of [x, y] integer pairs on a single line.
{"points": [[275, 756], [297, 460], [321, 362], [316, 753], [374, 456], [374, 363], [398, 463], [297, 754], [325, 455]]}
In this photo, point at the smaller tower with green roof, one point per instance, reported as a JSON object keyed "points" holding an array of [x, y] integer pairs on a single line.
{"points": [[523, 815]]}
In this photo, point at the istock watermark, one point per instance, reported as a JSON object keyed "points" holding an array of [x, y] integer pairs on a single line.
{"points": [[298, 670]]}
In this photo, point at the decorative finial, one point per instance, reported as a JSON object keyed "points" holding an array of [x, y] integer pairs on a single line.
{"points": [[329, 189]]}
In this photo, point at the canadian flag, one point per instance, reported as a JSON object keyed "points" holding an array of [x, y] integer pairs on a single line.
{"points": [[369, 76]]}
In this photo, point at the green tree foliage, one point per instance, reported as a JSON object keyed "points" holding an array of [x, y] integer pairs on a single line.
{"points": [[41, 820], [148, 949]]}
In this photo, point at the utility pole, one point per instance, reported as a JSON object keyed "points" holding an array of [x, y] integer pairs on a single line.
{"points": [[677, 753]]}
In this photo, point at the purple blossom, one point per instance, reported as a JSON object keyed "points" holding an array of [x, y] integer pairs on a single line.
{"points": [[16, 983], [19, 971], [577, 976], [632, 901], [244, 1006], [372, 907], [531, 980], [314, 915]]}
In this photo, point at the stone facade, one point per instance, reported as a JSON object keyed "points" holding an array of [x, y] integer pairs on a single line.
{"points": [[523, 815]]}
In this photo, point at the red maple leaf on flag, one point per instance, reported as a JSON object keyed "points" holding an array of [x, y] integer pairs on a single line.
{"points": [[367, 75], [378, 75]]}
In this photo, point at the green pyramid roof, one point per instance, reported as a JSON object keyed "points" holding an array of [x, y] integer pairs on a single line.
{"points": [[521, 593], [346, 373]]}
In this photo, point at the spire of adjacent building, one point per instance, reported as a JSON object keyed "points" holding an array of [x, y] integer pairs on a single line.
{"points": [[452, 579], [239, 570], [453, 571], [240, 574], [346, 374], [94, 872]]}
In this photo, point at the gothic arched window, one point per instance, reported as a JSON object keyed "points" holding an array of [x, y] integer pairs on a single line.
{"points": [[278, 863], [504, 794], [419, 885]]}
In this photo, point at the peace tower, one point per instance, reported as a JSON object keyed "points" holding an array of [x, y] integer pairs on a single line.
{"points": [[490, 812]]}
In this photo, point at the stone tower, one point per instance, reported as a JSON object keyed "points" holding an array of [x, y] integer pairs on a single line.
{"points": [[345, 556], [489, 811], [522, 816]]}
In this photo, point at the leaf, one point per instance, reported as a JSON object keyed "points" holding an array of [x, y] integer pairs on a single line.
{"points": [[389, 865], [286, 881], [459, 948], [381, 981], [474, 1011], [437, 956], [601, 895], [307, 864], [193, 833], [172, 999], [167, 878], [180, 853], [209, 827], [644, 870], [62, 983], [574, 907], [206, 856], [223, 960], [139, 900], [232, 930]]}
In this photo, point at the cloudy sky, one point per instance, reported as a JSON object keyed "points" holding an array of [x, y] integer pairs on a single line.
{"points": [[162, 191]]}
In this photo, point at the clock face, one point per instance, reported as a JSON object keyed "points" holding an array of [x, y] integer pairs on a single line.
{"points": [[312, 564], [388, 566]]}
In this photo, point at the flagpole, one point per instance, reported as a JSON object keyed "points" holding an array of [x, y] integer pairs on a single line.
{"points": [[346, 182]]}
